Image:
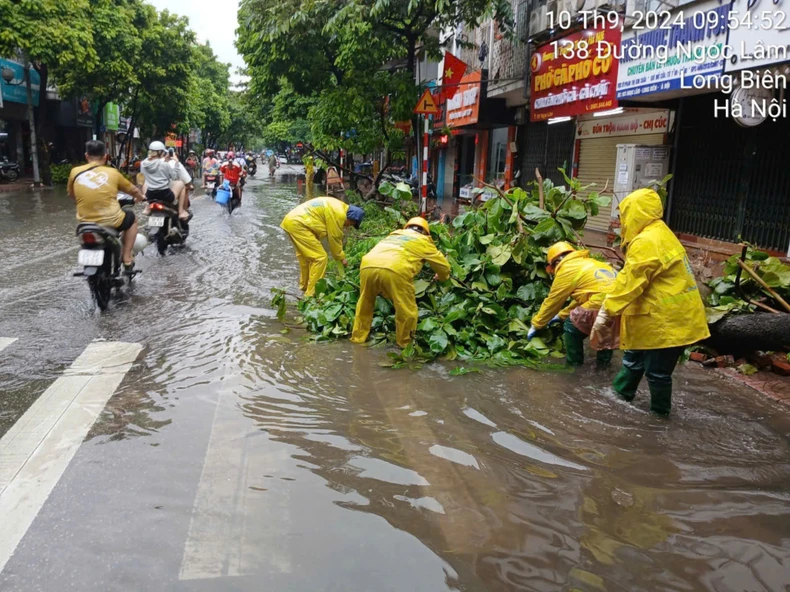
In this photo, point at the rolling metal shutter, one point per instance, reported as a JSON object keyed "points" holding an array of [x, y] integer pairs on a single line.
{"points": [[597, 161]]}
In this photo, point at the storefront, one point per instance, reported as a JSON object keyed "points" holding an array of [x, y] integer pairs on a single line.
{"points": [[597, 139], [478, 147], [14, 130], [731, 180], [566, 83]]}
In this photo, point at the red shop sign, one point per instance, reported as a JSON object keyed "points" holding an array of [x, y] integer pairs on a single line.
{"points": [[580, 78]]}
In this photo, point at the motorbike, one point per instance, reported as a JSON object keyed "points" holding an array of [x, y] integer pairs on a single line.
{"points": [[211, 185], [252, 167], [100, 258], [164, 227], [9, 171]]}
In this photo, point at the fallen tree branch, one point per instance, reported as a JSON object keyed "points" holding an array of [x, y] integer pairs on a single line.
{"points": [[542, 201], [767, 288], [519, 220]]}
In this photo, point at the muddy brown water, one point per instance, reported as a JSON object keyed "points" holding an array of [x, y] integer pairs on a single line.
{"points": [[238, 457]]}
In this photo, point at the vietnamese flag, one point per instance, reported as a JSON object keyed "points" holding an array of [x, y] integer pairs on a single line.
{"points": [[451, 75]]}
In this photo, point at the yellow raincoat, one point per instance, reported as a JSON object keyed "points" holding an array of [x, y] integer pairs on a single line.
{"points": [[656, 292], [586, 281], [309, 223], [389, 270]]}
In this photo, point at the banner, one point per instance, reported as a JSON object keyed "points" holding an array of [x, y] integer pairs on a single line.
{"points": [[652, 62], [762, 36], [629, 124], [464, 107], [574, 75], [16, 92], [112, 117]]}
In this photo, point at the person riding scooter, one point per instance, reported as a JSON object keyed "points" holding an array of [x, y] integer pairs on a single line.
{"points": [[233, 172]]}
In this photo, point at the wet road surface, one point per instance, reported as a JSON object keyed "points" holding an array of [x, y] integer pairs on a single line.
{"points": [[227, 454]]}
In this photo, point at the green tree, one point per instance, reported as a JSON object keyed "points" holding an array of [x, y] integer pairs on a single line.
{"points": [[52, 35]]}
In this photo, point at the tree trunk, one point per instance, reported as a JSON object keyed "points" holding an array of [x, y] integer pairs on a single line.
{"points": [[741, 334]]}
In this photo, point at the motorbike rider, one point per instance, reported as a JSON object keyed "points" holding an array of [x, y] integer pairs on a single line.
{"points": [[159, 175], [184, 183], [94, 187], [233, 172], [192, 163], [210, 166], [273, 164]]}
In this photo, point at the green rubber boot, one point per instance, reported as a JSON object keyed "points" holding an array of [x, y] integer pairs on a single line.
{"points": [[661, 398], [604, 357], [627, 380], [574, 344]]}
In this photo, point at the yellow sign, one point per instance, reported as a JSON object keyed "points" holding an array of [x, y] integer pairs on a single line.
{"points": [[426, 105]]}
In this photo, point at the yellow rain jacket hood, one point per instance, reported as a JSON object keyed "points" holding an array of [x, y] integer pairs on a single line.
{"points": [[578, 277], [655, 292], [404, 252], [325, 217]]}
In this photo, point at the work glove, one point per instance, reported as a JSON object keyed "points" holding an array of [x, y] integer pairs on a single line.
{"points": [[555, 321], [601, 329], [531, 333]]}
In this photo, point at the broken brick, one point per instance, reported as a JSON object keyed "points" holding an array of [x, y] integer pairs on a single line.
{"points": [[698, 357], [781, 366], [725, 361]]}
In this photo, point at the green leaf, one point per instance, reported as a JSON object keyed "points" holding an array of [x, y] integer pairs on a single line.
{"points": [[547, 232], [420, 286], [747, 369], [461, 371], [486, 239], [428, 325], [438, 341]]}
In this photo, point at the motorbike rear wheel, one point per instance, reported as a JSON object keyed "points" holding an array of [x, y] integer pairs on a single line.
{"points": [[161, 242], [12, 175], [101, 289]]}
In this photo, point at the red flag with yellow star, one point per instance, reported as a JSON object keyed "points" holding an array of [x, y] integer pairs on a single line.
{"points": [[451, 75]]}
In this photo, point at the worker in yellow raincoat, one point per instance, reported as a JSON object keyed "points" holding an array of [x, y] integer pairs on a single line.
{"points": [[658, 300], [389, 270], [311, 222], [585, 281]]}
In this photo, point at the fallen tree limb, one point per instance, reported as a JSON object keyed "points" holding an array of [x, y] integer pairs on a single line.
{"points": [[741, 334], [767, 288]]}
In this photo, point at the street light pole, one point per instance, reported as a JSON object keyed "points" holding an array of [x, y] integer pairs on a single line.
{"points": [[32, 122]]}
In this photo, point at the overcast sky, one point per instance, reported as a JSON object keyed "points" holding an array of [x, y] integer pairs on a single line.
{"points": [[213, 21]]}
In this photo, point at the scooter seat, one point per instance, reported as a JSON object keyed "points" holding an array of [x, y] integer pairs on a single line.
{"points": [[85, 227]]}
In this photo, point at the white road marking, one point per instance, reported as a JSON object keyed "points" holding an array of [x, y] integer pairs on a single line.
{"points": [[35, 452], [221, 542], [6, 341]]}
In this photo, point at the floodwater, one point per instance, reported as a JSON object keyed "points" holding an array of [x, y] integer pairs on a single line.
{"points": [[239, 455]]}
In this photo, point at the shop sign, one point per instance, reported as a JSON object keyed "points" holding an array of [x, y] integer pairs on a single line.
{"points": [[762, 36], [172, 141], [464, 107], [574, 75], [748, 106], [16, 92], [630, 124], [112, 117], [84, 112], [660, 60]]}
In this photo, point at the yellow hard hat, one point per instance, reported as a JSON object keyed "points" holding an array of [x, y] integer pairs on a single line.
{"points": [[557, 250], [420, 222]]}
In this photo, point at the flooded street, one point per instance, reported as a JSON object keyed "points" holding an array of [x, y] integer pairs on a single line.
{"points": [[236, 454]]}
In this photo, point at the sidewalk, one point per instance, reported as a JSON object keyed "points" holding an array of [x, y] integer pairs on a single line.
{"points": [[18, 185]]}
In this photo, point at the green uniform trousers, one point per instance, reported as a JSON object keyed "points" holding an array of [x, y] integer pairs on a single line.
{"points": [[574, 346], [657, 365]]}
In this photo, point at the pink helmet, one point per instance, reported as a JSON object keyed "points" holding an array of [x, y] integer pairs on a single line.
{"points": [[231, 156]]}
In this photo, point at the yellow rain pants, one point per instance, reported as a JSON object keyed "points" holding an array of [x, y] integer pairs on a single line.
{"points": [[399, 290], [306, 225]]}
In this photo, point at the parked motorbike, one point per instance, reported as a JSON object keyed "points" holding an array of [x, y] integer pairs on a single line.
{"points": [[9, 171], [164, 227], [100, 258], [211, 185]]}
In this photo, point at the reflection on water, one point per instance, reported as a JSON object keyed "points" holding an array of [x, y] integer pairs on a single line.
{"points": [[325, 471]]}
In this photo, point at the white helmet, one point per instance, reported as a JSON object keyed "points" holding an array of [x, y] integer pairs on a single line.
{"points": [[157, 146], [140, 242]]}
